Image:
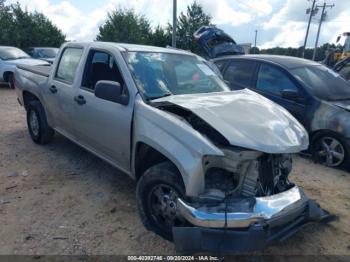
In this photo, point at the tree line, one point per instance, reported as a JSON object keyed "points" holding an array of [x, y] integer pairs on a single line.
{"points": [[124, 25], [24, 29], [290, 51]]}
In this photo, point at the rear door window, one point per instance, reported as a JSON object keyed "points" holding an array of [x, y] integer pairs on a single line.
{"points": [[221, 64], [240, 74], [68, 64], [273, 80]]}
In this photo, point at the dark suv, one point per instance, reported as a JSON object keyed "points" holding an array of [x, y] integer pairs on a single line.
{"points": [[314, 94]]}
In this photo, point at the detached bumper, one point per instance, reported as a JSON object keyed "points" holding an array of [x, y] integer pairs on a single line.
{"points": [[264, 221]]}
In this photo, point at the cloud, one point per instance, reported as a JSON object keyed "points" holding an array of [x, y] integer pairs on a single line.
{"points": [[79, 26], [258, 7], [290, 24], [64, 15], [292, 35], [223, 13], [280, 22]]}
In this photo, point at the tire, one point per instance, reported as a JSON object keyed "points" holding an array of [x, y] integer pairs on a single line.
{"points": [[330, 149], [39, 130], [11, 81], [156, 194]]}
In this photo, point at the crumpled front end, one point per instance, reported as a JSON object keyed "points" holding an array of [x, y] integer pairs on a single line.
{"points": [[241, 199], [248, 202], [242, 213], [252, 230]]}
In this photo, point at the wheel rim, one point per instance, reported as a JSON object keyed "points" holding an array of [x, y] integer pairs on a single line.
{"points": [[331, 151], [34, 123], [162, 203]]}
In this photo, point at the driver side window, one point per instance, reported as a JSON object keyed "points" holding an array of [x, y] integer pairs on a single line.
{"points": [[100, 66], [273, 80]]}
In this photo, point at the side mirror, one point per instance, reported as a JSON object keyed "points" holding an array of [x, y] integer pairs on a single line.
{"points": [[290, 94], [111, 91]]}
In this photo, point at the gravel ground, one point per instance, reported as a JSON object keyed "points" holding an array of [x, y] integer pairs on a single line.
{"points": [[60, 199]]}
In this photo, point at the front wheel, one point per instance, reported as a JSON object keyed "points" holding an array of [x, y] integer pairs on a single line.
{"points": [[330, 149], [156, 193]]}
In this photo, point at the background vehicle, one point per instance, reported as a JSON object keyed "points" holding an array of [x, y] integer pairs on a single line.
{"points": [[165, 118], [315, 95], [10, 57], [47, 54], [343, 68], [214, 42], [346, 48], [333, 56]]}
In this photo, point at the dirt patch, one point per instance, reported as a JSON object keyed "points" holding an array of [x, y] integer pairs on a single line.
{"points": [[60, 199]]}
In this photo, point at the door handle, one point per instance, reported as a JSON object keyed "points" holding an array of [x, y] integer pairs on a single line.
{"points": [[80, 100], [53, 89]]}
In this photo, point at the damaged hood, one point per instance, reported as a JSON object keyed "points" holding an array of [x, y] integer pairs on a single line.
{"points": [[246, 119]]}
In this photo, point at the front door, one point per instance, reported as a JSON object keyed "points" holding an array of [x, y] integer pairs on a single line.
{"points": [[103, 126], [271, 81]]}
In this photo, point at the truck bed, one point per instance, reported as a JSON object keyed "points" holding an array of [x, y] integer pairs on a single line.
{"points": [[43, 70]]}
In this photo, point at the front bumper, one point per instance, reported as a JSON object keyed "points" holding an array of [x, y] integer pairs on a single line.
{"points": [[265, 220]]}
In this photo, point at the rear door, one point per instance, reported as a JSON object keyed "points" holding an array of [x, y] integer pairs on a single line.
{"points": [[271, 80], [239, 73], [60, 97], [103, 126]]}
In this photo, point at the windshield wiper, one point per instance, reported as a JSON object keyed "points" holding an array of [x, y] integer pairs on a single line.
{"points": [[157, 97]]}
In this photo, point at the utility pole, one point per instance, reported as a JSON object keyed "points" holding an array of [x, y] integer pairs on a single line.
{"points": [[323, 17], [256, 36], [174, 23], [312, 13]]}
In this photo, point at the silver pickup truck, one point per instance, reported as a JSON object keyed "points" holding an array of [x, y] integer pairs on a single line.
{"points": [[211, 164]]}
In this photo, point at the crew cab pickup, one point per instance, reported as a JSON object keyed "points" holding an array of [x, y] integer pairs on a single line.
{"points": [[211, 164]]}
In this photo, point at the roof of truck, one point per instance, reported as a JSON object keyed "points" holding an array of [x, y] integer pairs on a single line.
{"points": [[133, 47], [286, 61], [5, 47]]}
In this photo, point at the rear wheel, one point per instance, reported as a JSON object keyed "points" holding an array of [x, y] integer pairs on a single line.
{"points": [[39, 130], [157, 192], [11, 81], [330, 149]]}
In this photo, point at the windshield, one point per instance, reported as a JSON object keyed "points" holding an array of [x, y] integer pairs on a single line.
{"points": [[11, 53], [323, 82], [48, 52], [162, 74]]}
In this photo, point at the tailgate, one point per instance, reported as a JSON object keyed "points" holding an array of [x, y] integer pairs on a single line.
{"points": [[43, 70]]}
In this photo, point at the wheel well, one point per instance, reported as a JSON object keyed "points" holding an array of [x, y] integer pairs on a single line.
{"points": [[146, 157], [28, 97], [6, 75], [313, 134]]}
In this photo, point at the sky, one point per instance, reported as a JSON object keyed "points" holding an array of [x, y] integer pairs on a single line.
{"points": [[279, 22]]}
